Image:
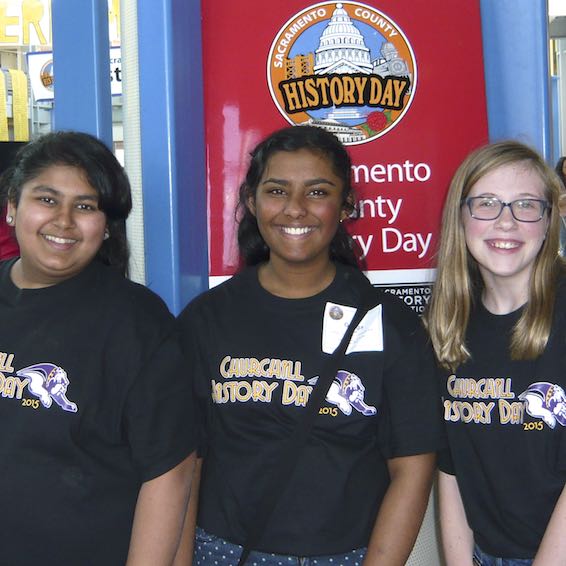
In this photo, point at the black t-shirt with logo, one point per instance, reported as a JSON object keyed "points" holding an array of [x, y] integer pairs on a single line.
{"points": [[93, 402], [506, 428], [255, 358]]}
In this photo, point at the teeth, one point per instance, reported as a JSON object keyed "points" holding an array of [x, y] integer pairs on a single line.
{"points": [[505, 245], [296, 231], [57, 240]]}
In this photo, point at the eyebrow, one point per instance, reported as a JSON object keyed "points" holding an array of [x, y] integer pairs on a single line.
{"points": [[518, 197], [309, 183], [46, 189]]}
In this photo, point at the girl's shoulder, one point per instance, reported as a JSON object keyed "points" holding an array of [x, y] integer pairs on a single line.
{"points": [[238, 290], [396, 314], [124, 299]]}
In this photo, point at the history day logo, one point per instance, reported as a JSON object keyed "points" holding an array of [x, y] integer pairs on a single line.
{"points": [[345, 67]]}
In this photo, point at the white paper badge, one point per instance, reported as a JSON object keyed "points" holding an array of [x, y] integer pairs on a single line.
{"points": [[368, 336]]}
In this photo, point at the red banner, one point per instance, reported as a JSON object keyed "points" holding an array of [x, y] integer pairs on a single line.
{"points": [[400, 83]]}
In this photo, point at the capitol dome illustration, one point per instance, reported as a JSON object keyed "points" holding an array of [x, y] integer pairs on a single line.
{"points": [[342, 48]]}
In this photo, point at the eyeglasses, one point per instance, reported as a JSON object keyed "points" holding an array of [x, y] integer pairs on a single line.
{"points": [[490, 208]]}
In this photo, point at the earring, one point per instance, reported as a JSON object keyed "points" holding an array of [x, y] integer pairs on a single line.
{"points": [[9, 219], [106, 234]]}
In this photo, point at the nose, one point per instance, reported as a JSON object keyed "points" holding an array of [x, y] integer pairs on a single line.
{"points": [[295, 206], [65, 217], [506, 218]]}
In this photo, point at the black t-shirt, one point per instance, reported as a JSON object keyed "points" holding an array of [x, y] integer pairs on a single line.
{"points": [[93, 402], [255, 358], [506, 428]]}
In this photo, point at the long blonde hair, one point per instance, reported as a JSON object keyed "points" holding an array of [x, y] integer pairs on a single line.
{"points": [[458, 279]]}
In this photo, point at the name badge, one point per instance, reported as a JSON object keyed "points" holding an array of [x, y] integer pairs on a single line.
{"points": [[368, 336]]}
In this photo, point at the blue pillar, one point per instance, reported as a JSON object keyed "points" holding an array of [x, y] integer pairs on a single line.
{"points": [[190, 149], [173, 158], [81, 67], [555, 112], [515, 43]]}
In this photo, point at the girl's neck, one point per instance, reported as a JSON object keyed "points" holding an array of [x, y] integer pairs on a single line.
{"points": [[22, 278], [503, 300], [502, 295], [295, 282]]}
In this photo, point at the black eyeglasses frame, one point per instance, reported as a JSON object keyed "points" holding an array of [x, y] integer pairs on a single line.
{"points": [[545, 206]]}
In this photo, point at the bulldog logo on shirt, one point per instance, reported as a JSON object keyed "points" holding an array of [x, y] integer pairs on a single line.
{"points": [[49, 383], [46, 382], [546, 401], [346, 392]]}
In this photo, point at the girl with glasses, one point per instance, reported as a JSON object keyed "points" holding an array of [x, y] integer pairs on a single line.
{"points": [[497, 321]]}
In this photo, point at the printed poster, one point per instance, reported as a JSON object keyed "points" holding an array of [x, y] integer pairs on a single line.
{"points": [[400, 83]]}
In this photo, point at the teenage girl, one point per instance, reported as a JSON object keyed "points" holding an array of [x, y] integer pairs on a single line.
{"points": [[97, 434], [497, 320], [256, 347]]}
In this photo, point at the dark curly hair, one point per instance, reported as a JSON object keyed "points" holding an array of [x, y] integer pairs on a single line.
{"points": [[102, 171], [253, 249]]}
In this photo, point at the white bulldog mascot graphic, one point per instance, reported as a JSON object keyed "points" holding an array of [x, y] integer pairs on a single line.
{"points": [[347, 392], [49, 383], [546, 401]]}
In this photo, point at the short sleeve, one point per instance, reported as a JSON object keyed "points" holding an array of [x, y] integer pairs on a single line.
{"points": [[159, 414], [411, 421], [444, 461], [561, 450], [191, 332]]}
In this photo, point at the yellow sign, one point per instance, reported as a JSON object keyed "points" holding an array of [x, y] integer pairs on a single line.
{"points": [[20, 105], [114, 21], [25, 22], [4, 136], [28, 22]]}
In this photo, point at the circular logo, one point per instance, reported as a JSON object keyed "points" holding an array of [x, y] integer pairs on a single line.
{"points": [[46, 75], [345, 67], [336, 313]]}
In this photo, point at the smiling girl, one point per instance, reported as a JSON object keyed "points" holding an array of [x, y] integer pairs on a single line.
{"points": [[256, 347], [497, 323], [95, 450]]}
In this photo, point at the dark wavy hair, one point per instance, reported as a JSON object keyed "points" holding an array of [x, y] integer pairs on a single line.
{"points": [[253, 249], [102, 171]]}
